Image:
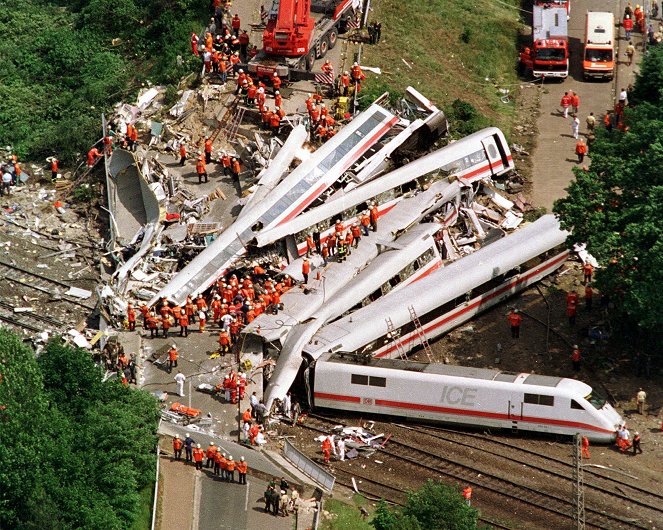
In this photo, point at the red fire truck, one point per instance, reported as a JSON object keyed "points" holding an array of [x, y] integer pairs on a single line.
{"points": [[548, 55]]}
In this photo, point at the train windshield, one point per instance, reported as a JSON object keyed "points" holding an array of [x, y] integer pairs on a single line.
{"points": [[596, 400]]}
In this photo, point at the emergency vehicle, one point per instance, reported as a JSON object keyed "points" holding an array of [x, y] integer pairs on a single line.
{"points": [[549, 53], [598, 52], [293, 39]]}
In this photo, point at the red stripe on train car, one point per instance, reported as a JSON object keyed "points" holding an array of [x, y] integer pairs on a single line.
{"points": [[480, 302], [462, 412]]}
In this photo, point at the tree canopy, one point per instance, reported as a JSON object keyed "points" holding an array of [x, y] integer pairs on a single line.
{"points": [[615, 204], [63, 63], [436, 506], [74, 451]]}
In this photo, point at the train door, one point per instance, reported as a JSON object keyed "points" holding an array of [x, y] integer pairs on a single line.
{"points": [[515, 411], [493, 156]]}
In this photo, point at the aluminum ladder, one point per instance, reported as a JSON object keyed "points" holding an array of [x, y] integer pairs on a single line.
{"points": [[396, 338], [420, 333]]}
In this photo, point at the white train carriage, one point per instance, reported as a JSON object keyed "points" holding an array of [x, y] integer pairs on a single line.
{"points": [[481, 155], [449, 296], [461, 395]]}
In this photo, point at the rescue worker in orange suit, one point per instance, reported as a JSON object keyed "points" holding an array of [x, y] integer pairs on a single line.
{"points": [[218, 460], [198, 455], [277, 99], [525, 60], [224, 342], [210, 453], [581, 150], [230, 469], [326, 449], [201, 170], [242, 468], [357, 76], [365, 222], [208, 151], [173, 354], [275, 123], [344, 87], [636, 444], [236, 169], [235, 24], [467, 495], [246, 416], [374, 217], [194, 44], [190, 309], [153, 325], [576, 357], [184, 323], [131, 317], [356, 234], [306, 269], [54, 169], [515, 320], [177, 447], [276, 82], [310, 245], [182, 154], [587, 270], [585, 447], [165, 325], [92, 156], [225, 162]]}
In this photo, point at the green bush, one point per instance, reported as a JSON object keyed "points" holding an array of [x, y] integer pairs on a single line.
{"points": [[75, 452], [60, 68]]}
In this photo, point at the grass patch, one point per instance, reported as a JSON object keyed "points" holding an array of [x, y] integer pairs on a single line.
{"points": [[144, 517], [346, 516], [458, 50]]}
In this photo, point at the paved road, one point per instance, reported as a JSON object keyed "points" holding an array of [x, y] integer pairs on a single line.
{"points": [[225, 506], [554, 156]]}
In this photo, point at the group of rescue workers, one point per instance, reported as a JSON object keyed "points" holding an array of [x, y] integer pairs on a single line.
{"points": [[339, 244], [231, 304], [222, 464], [11, 174]]}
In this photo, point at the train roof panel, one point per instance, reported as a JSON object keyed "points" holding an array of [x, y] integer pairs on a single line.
{"points": [[413, 366], [542, 380]]}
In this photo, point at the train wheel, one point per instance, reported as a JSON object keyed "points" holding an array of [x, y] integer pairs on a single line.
{"points": [[310, 59], [324, 47], [333, 37]]}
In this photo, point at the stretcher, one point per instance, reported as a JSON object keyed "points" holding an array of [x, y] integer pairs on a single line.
{"points": [[185, 411]]}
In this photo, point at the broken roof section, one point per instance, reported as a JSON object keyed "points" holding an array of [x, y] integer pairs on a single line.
{"points": [[297, 190]]}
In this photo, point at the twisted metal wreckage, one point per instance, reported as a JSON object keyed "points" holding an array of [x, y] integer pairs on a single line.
{"points": [[434, 209]]}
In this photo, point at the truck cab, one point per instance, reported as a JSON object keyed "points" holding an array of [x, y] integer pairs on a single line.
{"points": [[550, 45], [598, 60]]}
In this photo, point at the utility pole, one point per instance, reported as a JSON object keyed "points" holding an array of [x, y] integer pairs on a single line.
{"points": [[578, 484], [538, 288]]}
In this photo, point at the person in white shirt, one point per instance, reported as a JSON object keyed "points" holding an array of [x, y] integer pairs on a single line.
{"points": [[575, 126], [287, 404], [6, 183], [341, 449], [179, 379]]}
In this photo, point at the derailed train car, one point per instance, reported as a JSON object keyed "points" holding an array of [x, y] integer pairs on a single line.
{"points": [[461, 395]]}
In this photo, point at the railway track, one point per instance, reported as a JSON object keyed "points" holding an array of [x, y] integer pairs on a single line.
{"points": [[29, 321], [39, 282], [634, 494], [441, 465]]}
